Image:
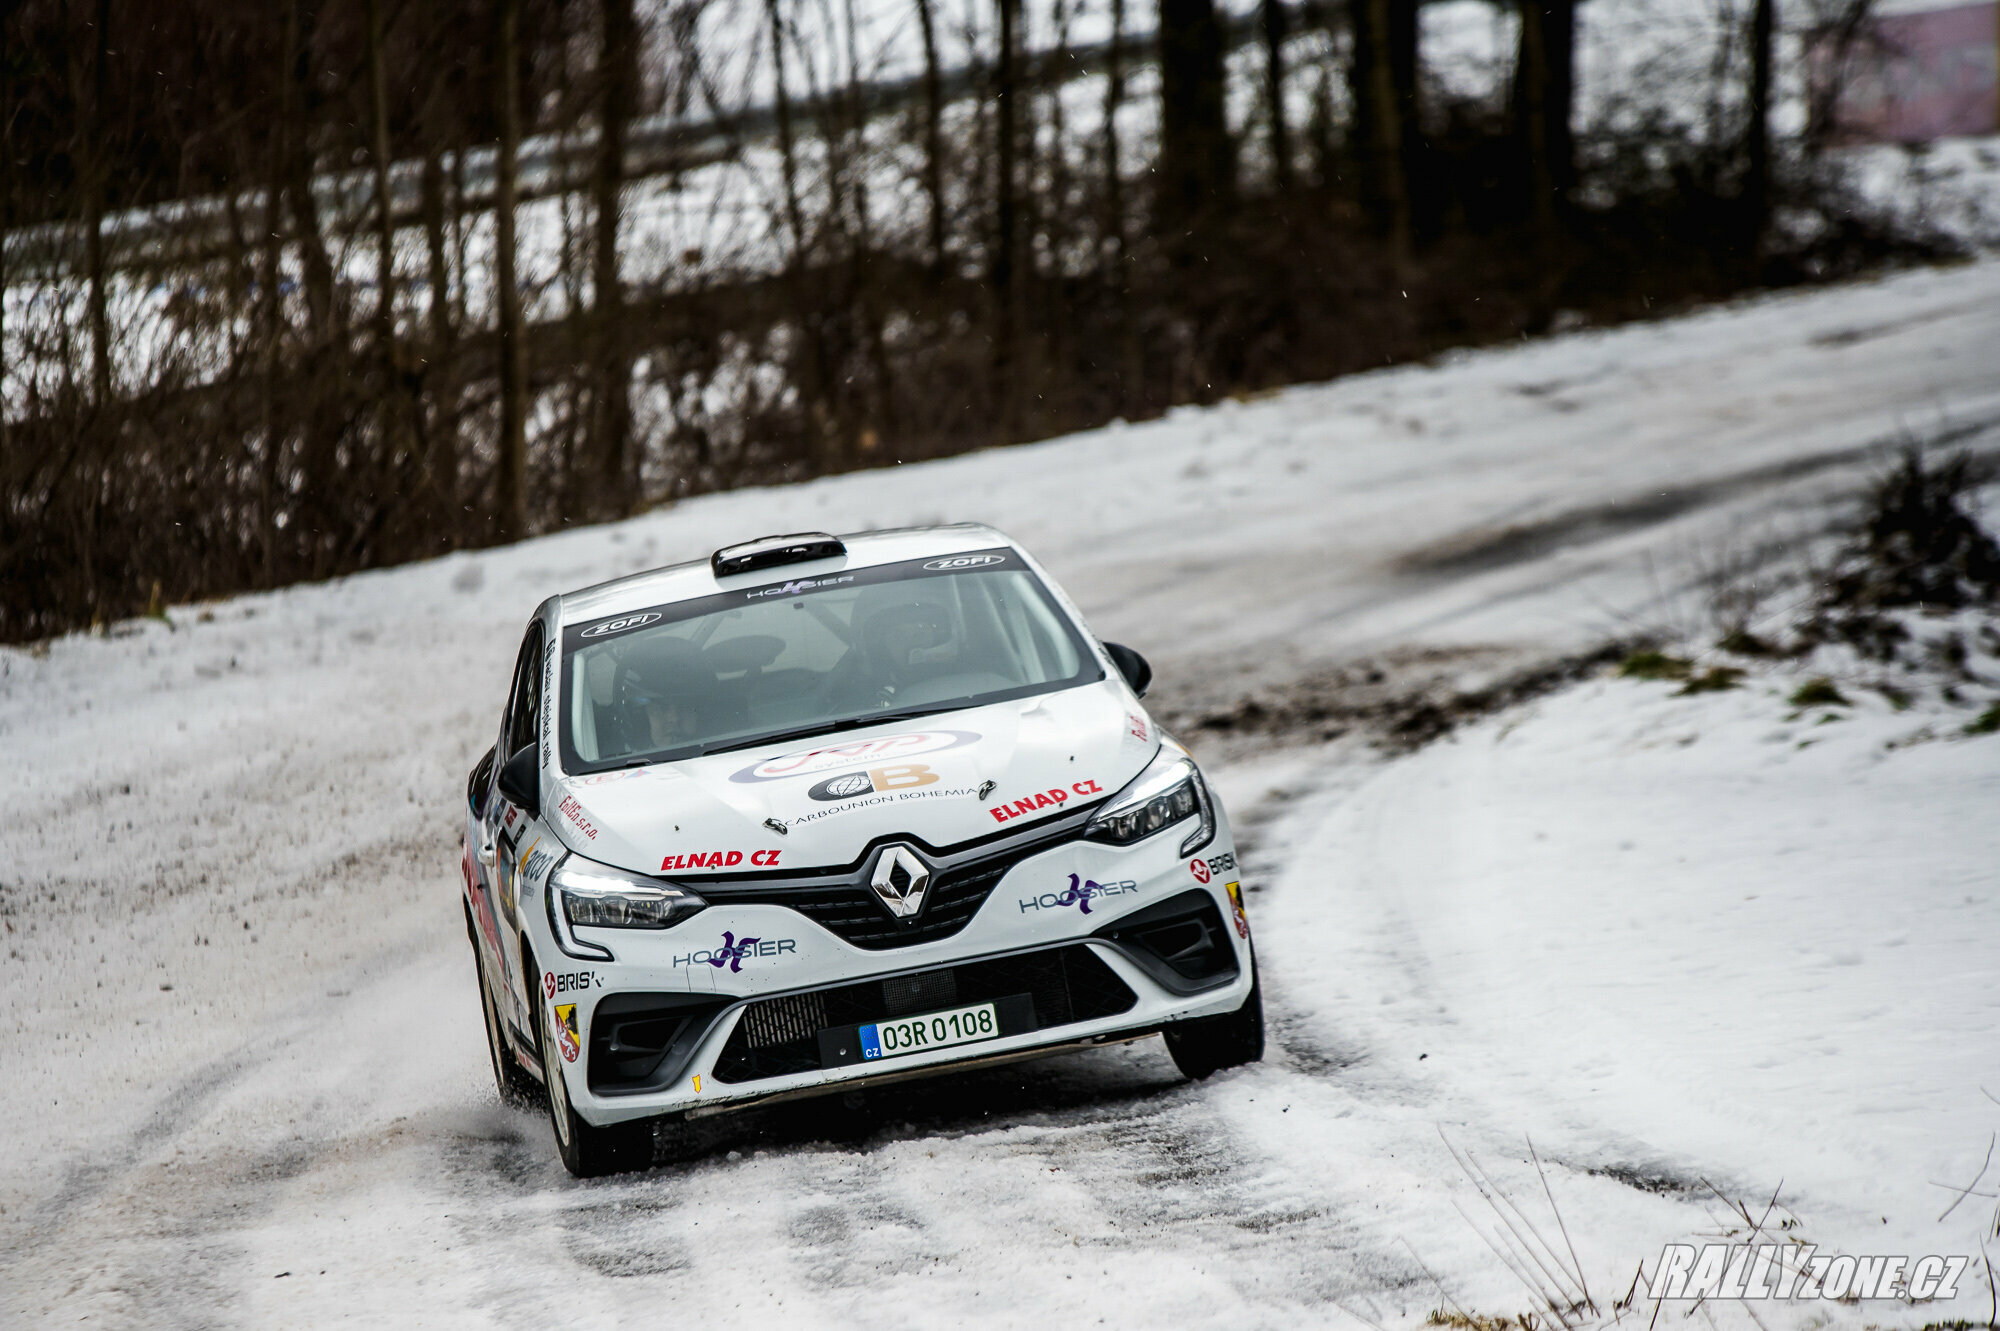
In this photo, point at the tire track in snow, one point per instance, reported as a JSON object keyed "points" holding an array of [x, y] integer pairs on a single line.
{"points": [[178, 1199], [176, 1113], [146, 1214], [182, 1267]]}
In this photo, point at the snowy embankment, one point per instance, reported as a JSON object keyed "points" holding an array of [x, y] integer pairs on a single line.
{"points": [[1692, 940], [241, 1040]]}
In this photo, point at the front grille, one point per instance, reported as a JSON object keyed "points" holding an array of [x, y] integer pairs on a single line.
{"points": [[926, 991], [777, 1037], [857, 914], [842, 902], [783, 1021]]}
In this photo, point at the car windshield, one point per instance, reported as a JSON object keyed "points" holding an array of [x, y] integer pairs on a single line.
{"points": [[808, 656]]}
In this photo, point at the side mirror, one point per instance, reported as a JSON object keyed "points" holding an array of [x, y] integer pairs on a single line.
{"points": [[1130, 664], [521, 781]]}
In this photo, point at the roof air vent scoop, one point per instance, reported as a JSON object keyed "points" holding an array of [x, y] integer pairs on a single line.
{"points": [[771, 551]]}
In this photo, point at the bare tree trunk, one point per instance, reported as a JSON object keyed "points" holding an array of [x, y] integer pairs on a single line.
{"points": [[1006, 144], [271, 310], [567, 434], [1117, 275], [6, 228], [1197, 166], [90, 177], [836, 307], [316, 265], [787, 147], [1006, 362], [385, 223], [1385, 191], [1531, 85], [933, 137], [511, 497], [319, 376], [1060, 211], [1320, 127], [879, 412], [1274, 94], [1712, 167], [1403, 33], [610, 396], [1835, 39], [1544, 81], [818, 298], [440, 450], [458, 230], [1757, 136], [390, 405], [437, 256], [242, 280], [1559, 102], [1030, 203], [1047, 303], [1114, 174], [810, 365]]}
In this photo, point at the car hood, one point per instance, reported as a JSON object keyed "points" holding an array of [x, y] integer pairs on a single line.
{"points": [[711, 816]]}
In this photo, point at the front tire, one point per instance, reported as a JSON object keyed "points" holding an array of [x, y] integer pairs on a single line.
{"points": [[1206, 1045], [588, 1151]]}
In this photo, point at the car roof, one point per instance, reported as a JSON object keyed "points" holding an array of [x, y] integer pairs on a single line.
{"points": [[683, 582]]}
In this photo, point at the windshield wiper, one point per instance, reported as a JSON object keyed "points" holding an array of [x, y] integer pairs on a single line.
{"points": [[834, 727], [654, 758]]}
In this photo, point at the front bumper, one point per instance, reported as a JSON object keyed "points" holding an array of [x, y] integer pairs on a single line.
{"points": [[676, 1033], [729, 1067]]}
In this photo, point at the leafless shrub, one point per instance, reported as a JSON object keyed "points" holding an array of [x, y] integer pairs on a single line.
{"points": [[254, 332]]}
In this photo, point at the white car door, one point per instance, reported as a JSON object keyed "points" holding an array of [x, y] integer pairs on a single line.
{"points": [[510, 830]]}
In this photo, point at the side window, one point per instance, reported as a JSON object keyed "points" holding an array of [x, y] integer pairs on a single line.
{"points": [[524, 708]]}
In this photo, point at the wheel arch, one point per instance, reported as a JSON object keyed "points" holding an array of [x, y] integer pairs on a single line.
{"points": [[530, 969]]}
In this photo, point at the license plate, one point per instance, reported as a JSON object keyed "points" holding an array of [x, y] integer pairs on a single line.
{"points": [[932, 1030]]}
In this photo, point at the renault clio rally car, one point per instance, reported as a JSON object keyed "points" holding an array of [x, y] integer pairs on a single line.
{"points": [[821, 812]]}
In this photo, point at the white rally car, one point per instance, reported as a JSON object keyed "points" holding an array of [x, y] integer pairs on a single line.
{"points": [[823, 811]]}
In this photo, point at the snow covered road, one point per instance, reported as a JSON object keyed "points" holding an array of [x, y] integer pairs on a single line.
{"points": [[243, 1059]]}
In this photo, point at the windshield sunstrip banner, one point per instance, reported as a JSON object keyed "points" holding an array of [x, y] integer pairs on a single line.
{"points": [[908, 570]]}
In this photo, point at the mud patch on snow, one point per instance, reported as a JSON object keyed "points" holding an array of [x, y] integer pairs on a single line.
{"points": [[516, 1163], [1650, 1179], [623, 1238], [1398, 704], [1296, 1044], [1493, 548], [820, 1227]]}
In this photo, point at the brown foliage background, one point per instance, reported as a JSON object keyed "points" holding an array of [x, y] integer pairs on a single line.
{"points": [[211, 388]]}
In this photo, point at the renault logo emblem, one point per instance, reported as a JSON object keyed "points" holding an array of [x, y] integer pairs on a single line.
{"points": [[900, 878]]}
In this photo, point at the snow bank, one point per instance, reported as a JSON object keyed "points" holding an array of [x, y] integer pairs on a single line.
{"points": [[1684, 938]]}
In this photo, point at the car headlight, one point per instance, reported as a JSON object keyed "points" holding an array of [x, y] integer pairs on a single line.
{"points": [[1168, 792], [586, 893]]}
